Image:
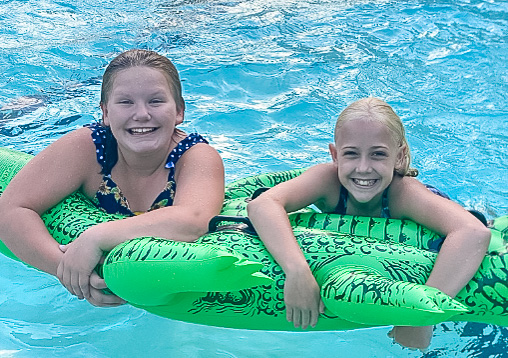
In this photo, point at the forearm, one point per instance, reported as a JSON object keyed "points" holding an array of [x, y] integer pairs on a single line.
{"points": [[24, 233], [172, 223], [301, 291], [459, 259], [271, 222]]}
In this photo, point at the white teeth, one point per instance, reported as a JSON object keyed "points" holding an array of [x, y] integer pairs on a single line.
{"points": [[141, 130], [362, 182]]}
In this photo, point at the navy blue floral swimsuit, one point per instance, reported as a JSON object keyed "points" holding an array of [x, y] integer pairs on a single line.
{"points": [[109, 196]]}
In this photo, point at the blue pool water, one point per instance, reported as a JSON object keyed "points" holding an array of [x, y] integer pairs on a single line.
{"points": [[264, 81]]}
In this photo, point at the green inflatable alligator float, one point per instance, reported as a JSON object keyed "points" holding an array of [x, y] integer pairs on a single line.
{"points": [[371, 270]]}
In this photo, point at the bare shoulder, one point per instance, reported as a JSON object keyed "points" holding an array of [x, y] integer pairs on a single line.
{"points": [[326, 172], [76, 143], [404, 194], [73, 154], [57, 171], [320, 175], [410, 199], [199, 175], [67, 151], [406, 187], [200, 156], [317, 185], [200, 170]]}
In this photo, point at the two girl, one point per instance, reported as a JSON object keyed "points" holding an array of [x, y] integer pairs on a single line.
{"points": [[136, 161]]}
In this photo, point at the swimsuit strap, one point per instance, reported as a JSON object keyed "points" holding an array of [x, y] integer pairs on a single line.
{"points": [[180, 150], [385, 212], [342, 204], [105, 146]]}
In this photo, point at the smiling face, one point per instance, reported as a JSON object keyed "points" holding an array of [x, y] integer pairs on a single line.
{"points": [[366, 155], [141, 110]]}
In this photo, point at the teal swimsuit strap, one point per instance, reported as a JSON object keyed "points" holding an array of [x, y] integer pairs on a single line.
{"points": [[342, 204]]}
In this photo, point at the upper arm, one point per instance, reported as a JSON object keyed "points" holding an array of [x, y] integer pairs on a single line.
{"points": [[54, 173], [318, 185], [199, 180]]}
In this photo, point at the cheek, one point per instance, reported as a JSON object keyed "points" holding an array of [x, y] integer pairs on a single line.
{"points": [[388, 170], [343, 169]]}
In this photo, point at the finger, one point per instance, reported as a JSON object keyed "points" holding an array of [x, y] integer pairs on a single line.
{"points": [[314, 316], [97, 282], [74, 283], [60, 274], [305, 318], [64, 278], [84, 285], [289, 314], [321, 307], [297, 318]]}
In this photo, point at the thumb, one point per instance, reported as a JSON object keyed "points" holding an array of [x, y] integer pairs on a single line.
{"points": [[97, 282]]}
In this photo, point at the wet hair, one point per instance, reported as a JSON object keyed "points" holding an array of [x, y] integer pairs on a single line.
{"points": [[143, 58], [374, 109], [136, 58]]}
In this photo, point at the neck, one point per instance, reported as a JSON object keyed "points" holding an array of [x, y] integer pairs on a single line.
{"points": [[372, 208], [144, 164]]}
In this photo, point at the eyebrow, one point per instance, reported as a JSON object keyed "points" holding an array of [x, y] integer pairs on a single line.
{"points": [[373, 147], [154, 92]]}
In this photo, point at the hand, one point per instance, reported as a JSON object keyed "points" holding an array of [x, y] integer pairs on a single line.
{"points": [[412, 337], [77, 264], [303, 300]]}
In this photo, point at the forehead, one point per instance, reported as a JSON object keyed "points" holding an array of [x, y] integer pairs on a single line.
{"points": [[360, 132], [140, 74]]}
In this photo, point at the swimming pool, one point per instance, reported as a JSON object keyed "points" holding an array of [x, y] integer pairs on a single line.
{"points": [[264, 81]]}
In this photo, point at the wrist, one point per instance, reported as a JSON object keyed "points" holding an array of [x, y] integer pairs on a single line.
{"points": [[297, 269], [94, 237]]}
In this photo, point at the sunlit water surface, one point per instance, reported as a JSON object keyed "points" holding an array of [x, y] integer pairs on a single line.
{"points": [[264, 81]]}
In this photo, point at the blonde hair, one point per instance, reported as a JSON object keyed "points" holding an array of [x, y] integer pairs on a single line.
{"points": [[375, 109]]}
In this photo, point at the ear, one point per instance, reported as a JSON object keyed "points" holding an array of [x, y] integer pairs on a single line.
{"points": [[105, 118], [179, 117], [401, 157], [333, 152]]}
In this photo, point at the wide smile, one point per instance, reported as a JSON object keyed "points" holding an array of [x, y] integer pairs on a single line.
{"points": [[141, 131], [365, 183]]}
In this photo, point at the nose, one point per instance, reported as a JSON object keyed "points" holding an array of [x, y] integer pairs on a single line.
{"points": [[364, 165], [141, 112]]}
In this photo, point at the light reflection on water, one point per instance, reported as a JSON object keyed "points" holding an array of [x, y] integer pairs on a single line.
{"points": [[264, 81]]}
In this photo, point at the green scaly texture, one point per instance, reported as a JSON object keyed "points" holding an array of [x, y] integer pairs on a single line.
{"points": [[371, 271]]}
